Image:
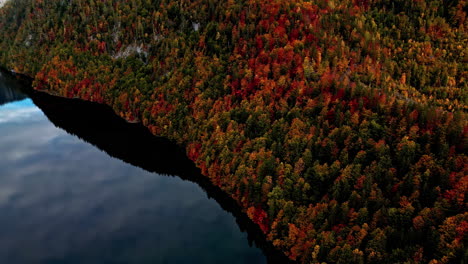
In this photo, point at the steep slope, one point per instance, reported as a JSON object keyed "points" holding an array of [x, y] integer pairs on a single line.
{"points": [[339, 126]]}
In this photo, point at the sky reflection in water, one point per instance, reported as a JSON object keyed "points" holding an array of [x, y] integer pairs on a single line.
{"points": [[64, 201]]}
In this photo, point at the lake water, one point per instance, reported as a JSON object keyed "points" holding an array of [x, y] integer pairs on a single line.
{"points": [[76, 199]]}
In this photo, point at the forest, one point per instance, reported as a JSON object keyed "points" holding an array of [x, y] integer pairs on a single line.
{"points": [[339, 126]]}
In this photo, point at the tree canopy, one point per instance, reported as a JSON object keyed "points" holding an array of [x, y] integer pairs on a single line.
{"points": [[338, 125]]}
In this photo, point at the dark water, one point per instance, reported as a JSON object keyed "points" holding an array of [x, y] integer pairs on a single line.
{"points": [[79, 185]]}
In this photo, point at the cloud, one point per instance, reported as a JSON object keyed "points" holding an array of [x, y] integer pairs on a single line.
{"points": [[19, 112], [24, 129]]}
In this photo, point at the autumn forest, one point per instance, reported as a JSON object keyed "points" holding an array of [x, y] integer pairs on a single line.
{"points": [[339, 126]]}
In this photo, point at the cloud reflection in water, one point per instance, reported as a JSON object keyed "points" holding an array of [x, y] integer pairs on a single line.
{"points": [[64, 201]]}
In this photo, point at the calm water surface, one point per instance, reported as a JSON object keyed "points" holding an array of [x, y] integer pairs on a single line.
{"points": [[63, 200]]}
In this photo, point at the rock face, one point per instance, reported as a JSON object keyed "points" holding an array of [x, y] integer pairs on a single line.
{"points": [[338, 126], [2, 2]]}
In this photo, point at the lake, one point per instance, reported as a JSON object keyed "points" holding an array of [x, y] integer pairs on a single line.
{"points": [[80, 185]]}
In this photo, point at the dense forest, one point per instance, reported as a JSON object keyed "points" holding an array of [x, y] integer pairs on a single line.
{"points": [[338, 125]]}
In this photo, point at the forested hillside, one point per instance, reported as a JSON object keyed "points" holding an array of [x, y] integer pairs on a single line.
{"points": [[338, 125]]}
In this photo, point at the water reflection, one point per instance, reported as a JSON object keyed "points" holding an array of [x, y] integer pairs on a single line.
{"points": [[64, 201], [8, 90]]}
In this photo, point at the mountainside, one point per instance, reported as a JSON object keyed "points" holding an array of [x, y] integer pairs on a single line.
{"points": [[338, 125]]}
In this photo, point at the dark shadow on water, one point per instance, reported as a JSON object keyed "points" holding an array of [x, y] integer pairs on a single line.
{"points": [[9, 90], [134, 144]]}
